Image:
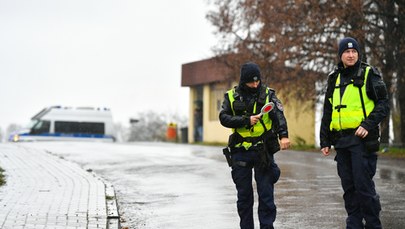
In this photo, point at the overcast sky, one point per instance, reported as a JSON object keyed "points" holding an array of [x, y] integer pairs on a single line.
{"points": [[122, 54]]}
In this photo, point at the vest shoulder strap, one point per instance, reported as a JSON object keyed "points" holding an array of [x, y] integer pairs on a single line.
{"points": [[363, 76], [332, 77], [262, 96]]}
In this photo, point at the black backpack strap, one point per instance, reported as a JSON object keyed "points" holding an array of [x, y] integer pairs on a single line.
{"points": [[332, 77], [359, 82], [261, 100]]}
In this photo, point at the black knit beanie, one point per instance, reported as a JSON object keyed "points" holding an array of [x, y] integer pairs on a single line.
{"points": [[348, 43], [249, 72]]}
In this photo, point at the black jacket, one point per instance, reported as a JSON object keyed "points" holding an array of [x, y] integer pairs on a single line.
{"points": [[229, 120], [375, 89]]}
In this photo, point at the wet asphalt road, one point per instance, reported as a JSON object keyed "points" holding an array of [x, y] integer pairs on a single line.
{"points": [[164, 185]]}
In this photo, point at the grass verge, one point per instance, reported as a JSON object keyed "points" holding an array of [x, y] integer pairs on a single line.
{"points": [[393, 152], [390, 152], [2, 177]]}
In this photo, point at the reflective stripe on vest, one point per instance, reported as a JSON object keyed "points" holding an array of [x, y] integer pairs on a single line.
{"points": [[256, 130], [347, 110]]}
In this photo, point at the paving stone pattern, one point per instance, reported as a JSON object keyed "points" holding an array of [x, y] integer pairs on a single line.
{"points": [[45, 191]]}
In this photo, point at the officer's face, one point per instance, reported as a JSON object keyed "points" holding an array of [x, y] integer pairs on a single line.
{"points": [[253, 84], [349, 57]]}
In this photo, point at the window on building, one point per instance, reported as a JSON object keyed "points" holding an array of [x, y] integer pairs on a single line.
{"points": [[217, 92]]}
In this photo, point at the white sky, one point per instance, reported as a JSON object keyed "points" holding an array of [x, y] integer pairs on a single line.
{"points": [[122, 54]]}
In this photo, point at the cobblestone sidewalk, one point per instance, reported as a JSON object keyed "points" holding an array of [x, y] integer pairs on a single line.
{"points": [[45, 191]]}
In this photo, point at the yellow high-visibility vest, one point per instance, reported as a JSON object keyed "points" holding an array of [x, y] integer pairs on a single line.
{"points": [[256, 130], [347, 110]]}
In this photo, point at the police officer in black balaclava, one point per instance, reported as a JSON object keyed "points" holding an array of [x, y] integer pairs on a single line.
{"points": [[254, 140]]}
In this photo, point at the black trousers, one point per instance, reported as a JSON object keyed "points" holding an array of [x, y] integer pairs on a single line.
{"points": [[242, 172], [356, 169]]}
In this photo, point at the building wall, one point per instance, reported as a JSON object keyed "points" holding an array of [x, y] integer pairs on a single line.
{"points": [[213, 130], [192, 96], [300, 118], [212, 78]]}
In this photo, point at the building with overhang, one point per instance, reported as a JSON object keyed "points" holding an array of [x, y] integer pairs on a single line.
{"points": [[208, 81]]}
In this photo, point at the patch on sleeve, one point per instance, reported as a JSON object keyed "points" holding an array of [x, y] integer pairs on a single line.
{"points": [[280, 106], [376, 72], [381, 91]]}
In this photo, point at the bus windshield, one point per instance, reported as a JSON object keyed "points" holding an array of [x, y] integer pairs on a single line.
{"points": [[40, 126]]}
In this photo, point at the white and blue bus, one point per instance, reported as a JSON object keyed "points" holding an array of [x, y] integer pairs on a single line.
{"points": [[68, 124]]}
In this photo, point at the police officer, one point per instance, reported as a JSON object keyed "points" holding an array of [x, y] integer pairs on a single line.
{"points": [[356, 101], [253, 143]]}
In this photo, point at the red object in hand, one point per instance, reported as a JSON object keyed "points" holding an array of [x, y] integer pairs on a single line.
{"points": [[267, 108]]}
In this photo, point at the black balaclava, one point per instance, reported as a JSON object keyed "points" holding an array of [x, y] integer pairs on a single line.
{"points": [[249, 72]]}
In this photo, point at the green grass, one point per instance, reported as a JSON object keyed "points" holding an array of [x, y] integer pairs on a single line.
{"points": [[392, 152], [109, 197], [301, 145], [2, 177], [210, 143]]}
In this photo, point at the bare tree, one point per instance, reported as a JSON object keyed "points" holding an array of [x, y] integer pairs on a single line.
{"points": [[385, 39], [295, 41], [152, 126]]}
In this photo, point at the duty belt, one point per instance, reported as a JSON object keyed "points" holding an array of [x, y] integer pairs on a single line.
{"points": [[253, 140], [236, 138], [343, 133], [257, 147]]}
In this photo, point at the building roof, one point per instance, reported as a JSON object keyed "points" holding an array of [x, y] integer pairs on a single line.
{"points": [[203, 72]]}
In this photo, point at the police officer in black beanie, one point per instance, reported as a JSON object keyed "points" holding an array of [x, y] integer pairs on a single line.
{"points": [[254, 140], [356, 101]]}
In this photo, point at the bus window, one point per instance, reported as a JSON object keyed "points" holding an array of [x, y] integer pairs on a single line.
{"points": [[40, 127], [92, 128], [66, 127], [79, 127]]}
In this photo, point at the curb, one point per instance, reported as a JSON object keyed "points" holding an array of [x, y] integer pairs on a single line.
{"points": [[113, 217]]}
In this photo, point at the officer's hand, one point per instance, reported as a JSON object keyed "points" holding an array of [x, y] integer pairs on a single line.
{"points": [[361, 132], [284, 143], [254, 119], [325, 151]]}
